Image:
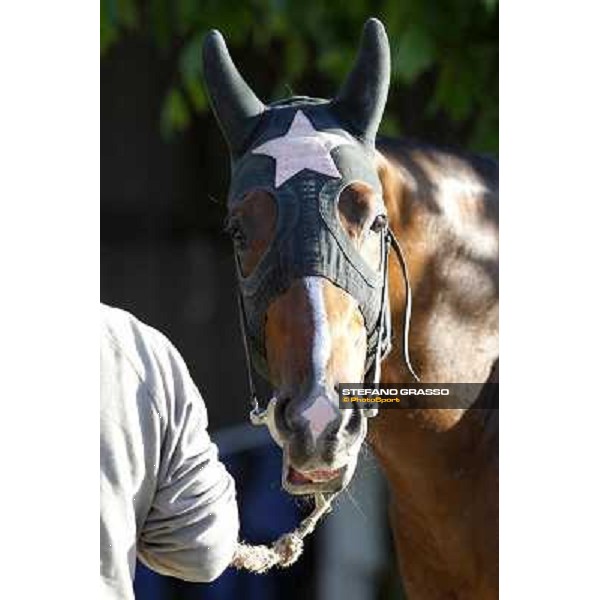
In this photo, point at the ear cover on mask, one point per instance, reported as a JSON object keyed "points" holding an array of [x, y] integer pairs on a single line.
{"points": [[359, 103]]}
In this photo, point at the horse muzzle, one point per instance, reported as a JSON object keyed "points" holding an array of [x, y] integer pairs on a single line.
{"points": [[320, 443]]}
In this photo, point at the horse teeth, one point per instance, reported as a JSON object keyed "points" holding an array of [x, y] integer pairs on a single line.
{"points": [[317, 476]]}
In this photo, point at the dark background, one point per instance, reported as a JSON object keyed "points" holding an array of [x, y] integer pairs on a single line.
{"points": [[163, 254], [164, 167]]}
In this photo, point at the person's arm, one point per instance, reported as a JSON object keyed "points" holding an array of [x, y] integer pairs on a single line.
{"points": [[191, 530]]}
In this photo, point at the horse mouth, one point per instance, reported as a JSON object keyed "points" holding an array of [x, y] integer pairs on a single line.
{"points": [[310, 482]]}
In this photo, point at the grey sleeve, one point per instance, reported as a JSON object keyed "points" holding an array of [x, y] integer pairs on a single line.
{"points": [[192, 527]]}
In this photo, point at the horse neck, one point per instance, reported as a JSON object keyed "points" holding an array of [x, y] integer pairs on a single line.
{"points": [[444, 213], [443, 504], [443, 210], [434, 459]]}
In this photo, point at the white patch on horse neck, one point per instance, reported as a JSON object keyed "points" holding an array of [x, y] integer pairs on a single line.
{"points": [[320, 413], [461, 201]]}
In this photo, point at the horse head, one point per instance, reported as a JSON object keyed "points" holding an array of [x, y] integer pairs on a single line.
{"points": [[309, 227]]}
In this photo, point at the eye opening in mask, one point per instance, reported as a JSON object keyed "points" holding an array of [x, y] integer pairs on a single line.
{"points": [[252, 225], [361, 212], [362, 215]]}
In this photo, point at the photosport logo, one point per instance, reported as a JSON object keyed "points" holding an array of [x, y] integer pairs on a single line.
{"points": [[418, 395]]}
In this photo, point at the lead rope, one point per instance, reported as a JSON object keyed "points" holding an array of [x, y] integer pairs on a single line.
{"points": [[288, 547]]}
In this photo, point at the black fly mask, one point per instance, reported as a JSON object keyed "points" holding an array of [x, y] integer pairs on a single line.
{"points": [[305, 152]]}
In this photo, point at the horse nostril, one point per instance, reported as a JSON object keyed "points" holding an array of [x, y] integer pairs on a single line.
{"points": [[282, 413]]}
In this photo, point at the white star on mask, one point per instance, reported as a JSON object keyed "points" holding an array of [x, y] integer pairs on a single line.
{"points": [[302, 147]]}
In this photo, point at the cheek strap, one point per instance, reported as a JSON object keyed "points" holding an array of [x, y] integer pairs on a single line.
{"points": [[393, 240], [384, 334]]}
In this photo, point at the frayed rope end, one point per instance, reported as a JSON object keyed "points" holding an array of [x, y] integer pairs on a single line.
{"points": [[287, 549], [259, 559]]}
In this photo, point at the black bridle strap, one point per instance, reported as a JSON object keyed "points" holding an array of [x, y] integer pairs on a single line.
{"points": [[384, 326], [408, 308], [255, 407]]}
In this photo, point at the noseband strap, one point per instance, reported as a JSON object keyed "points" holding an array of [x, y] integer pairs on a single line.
{"points": [[258, 416], [255, 411]]}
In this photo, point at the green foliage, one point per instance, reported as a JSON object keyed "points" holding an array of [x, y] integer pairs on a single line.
{"points": [[175, 115], [414, 54], [448, 48], [116, 17]]}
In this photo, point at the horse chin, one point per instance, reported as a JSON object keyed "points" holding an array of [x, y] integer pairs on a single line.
{"points": [[317, 481], [331, 479]]}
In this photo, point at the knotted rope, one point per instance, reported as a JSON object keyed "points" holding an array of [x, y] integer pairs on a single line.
{"points": [[287, 549]]}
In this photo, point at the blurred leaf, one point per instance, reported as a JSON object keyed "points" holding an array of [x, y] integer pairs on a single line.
{"points": [[414, 54], [336, 62], [490, 5], [116, 15], [128, 13], [485, 136], [390, 126], [108, 29], [190, 57], [454, 92], [161, 22], [188, 14], [295, 57], [196, 94], [175, 115]]}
